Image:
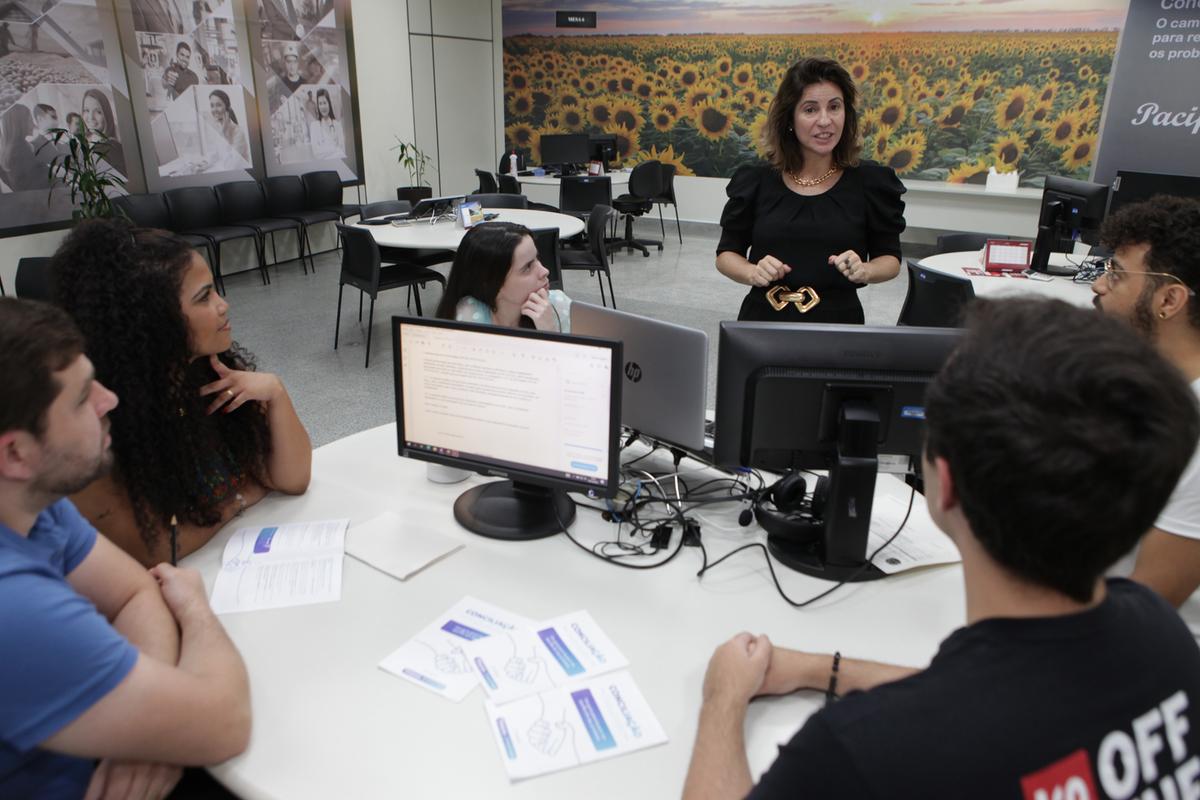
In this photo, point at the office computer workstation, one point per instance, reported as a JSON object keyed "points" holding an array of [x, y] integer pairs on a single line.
{"points": [[544, 413]]}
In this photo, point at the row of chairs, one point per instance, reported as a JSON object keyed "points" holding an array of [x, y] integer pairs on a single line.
{"points": [[207, 216]]}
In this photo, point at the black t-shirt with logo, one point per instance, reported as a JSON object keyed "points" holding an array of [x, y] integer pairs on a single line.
{"points": [[1100, 704]]}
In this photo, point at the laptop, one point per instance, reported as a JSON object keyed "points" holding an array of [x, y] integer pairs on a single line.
{"points": [[666, 372], [434, 206]]}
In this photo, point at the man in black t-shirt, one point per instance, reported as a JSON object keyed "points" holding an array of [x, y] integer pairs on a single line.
{"points": [[1054, 436], [178, 77]]}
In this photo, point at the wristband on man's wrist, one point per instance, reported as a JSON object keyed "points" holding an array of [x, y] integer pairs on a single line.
{"points": [[831, 692]]}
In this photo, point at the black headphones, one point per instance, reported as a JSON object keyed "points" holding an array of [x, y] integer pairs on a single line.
{"points": [[786, 511]]}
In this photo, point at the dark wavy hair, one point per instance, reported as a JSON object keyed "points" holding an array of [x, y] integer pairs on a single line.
{"points": [[121, 285], [481, 265], [328, 101], [1171, 226], [779, 140], [224, 98]]}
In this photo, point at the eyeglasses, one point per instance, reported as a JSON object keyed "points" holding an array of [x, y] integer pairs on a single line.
{"points": [[1115, 276]]}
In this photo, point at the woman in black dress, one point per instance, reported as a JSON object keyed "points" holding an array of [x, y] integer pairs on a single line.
{"points": [[813, 226]]}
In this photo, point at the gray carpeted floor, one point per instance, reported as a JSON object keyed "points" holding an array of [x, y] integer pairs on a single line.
{"points": [[288, 325]]}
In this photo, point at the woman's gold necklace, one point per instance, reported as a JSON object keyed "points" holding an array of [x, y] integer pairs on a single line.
{"points": [[812, 181]]}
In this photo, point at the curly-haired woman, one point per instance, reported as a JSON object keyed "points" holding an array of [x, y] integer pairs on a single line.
{"points": [[198, 434]]}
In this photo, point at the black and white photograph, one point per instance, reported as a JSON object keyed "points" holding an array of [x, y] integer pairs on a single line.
{"points": [[291, 19], [204, 131]]}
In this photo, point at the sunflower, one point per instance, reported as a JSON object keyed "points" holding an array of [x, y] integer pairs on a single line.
{"points": [[1087, 100], [1085, 72], [712, 120], [627, 141], [724, 66], [1048, 93], [662, 118], [1008, 149], [1080, 152], [699, 94], [644, 89], [573, 118], [600, 111], [671, 106], [859, 71], [665, 156], [970, 172], [1064, 128], [689, 76], [743, 75], [940, 89], [906, 154], [521, 103], [893, 114], [517, 80], [552, 123], [881, 144], [1015, 106], [568, 98], [589, 86], [612, 84], [522, 135], [627, 115], [757, 131], [1041, 113], [952, 116]]}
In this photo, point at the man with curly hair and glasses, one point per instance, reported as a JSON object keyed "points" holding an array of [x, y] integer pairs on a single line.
{"points": [[1151, 282]]}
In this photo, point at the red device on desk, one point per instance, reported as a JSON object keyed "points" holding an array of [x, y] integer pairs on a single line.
{"points": [[1006, 255]]}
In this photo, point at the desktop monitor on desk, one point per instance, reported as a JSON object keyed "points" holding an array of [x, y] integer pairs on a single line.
{"points": [[1134, 187], [1071, 211], [563, 151], [795, 396], [542, 410], [603, 148]]}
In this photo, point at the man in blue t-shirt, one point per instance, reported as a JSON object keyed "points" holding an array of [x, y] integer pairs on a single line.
{"points": [[102, 661], [1054, 437]]}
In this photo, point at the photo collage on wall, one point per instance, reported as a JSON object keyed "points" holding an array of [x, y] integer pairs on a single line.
{"points": [[300, 55], [194, 87], [56, 71]]}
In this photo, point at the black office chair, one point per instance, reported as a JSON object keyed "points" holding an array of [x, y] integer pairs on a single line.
{"points": [[595, 258], [667, 196], [243, 203], [546, 241], [962, 242], [509, 185], [487, 182], [935, 299], [363, 269], [497, 200], [196, 211], [150, 211], [323, 191], [384, 208], [645, 183], [579, 194], [33, 279], [286, 198]]}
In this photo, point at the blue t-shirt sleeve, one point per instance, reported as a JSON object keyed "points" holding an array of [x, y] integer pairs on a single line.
{"points": [[60, 657], [76, 534]]}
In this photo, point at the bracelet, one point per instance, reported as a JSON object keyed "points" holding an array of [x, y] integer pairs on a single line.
{"points": [[831, 692], [241, 503]]}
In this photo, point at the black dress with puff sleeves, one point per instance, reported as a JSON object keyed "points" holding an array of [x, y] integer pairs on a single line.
{"points": [[862, 212]]}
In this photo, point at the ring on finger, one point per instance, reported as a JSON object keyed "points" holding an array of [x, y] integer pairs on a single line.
{"points": [[229, 392]]}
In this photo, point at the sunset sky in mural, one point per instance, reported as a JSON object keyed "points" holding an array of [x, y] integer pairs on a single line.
{"points": [[816, 16]]}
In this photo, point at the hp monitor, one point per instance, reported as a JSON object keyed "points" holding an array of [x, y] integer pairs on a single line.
{"points": [[564, 150], [794, 396], [603, 148], [1071, 211], [541, 410]]}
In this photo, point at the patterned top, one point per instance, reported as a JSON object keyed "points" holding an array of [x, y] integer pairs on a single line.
{"points": [[470, 309]]}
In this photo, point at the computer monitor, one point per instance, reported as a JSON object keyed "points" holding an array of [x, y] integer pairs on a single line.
{"points": [[1071, 211], [602, 147], [564, 150], [665, 372], [1134, 187], [796, 396], [542, 410]]}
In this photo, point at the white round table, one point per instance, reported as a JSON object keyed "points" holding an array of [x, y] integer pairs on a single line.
{"points": [[328, 722], [445, 234], [1063, 288]]}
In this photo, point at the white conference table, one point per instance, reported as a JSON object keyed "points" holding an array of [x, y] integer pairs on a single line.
{"points": [[1057, 286], [329, 723], [544, 188], [446, 234]]}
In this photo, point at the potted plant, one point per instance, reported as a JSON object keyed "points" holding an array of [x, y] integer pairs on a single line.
{"points": [[413, 159], [81, 171]]}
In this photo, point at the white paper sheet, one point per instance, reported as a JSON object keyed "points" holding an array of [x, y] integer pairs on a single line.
{"points": [[435, 659], [528, 661], [571, 725], [277, 566], [399, 548], [920, 544]]}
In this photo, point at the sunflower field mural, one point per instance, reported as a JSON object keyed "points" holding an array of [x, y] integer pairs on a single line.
{"points": [[937, 106]]}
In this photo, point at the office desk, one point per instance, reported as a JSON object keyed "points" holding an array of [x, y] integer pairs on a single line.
{"points": [[1063, 288], [544, 188], [329, 723], [446, 234]]}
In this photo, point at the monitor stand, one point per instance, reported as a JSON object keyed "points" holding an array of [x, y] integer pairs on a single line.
{"points": [[840, 554], [1049, 228], [514, 511]]}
